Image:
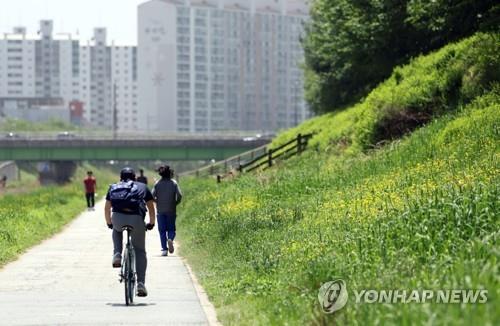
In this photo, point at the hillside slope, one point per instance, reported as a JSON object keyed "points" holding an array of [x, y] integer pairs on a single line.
{"points": [[420, 212]]}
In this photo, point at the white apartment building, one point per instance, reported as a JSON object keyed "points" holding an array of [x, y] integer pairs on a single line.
{"points": [[124, 80], [44, 71], [212, 65], [41, 68]]}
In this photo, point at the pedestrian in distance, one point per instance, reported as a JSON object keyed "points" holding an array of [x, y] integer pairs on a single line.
{"points": [[167, 195], [142, 178], [126, 203], [90, 185], [3, 181]]}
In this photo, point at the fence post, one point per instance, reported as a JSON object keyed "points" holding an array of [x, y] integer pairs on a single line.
{"points": [[240, 168], [218, 178], [270, 157], [299, 143]]}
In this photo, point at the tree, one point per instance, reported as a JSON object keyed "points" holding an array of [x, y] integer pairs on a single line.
{"points": [[351, 46]]}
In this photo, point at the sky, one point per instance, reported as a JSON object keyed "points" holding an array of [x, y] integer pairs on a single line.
{"points": [[72, 16]]}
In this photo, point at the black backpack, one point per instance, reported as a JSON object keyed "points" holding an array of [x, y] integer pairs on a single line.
{"points": [[125, 197]]}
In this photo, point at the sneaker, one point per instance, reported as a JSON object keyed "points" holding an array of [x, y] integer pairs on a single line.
{"points": [[141, 290], [164, 253], [170, 246], [117, 260]]}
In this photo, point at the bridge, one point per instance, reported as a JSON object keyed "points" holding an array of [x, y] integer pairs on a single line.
{"points": [[80, 149]]}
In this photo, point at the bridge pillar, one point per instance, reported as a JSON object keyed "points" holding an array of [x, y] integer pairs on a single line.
{"points": [[56, 172]]}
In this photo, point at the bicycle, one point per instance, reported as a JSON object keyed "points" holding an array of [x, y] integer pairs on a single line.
{"points": [[128, 273]]}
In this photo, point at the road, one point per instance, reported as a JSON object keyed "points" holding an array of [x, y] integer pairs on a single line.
{"points": [[68, 280]]}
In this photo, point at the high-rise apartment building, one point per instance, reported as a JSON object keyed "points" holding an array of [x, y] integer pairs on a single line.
{"points": [[38, 68], [45, 71], [214, 65], [200, 66]]}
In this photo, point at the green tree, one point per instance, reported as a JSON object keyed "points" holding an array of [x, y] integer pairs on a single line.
{"points": [[352, 45]]}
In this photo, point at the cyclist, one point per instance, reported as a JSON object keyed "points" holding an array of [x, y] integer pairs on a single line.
{"points": [[128, 201], [167, 195]]}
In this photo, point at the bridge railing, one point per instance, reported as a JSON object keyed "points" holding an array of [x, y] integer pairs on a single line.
{"points": [[107, 135]]}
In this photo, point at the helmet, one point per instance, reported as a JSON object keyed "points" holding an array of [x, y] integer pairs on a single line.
{"points": [[127, 174]]}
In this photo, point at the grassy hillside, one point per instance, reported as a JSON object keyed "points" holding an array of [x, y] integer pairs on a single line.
{"points": [[430, 86], [29, 217], [380, 212]]}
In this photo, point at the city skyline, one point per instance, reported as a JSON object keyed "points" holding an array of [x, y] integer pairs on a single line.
{"points": [[199, 66], [79, 18]]}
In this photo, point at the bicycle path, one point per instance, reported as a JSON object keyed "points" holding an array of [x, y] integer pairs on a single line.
{"points": [[68, 280]]}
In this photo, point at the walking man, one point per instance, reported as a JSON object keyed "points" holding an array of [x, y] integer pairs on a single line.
{"points": [[90, 188], [167, 195], [142, 178]]}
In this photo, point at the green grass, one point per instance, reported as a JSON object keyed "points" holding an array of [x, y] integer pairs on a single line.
{"points": [[18, 125], [420, 212], [429, 86], [27, 181], [28, 218]]}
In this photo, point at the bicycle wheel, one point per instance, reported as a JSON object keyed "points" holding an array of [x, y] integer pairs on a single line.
{"points": [[126, 273], [130, 278]]}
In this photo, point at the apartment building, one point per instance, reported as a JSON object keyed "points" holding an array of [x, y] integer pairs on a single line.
{"points": [[216, 65], [37, 67], [44, 71]]}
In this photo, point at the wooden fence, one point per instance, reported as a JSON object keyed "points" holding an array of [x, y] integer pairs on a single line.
{"points": [[227, 165], [261, 157]]}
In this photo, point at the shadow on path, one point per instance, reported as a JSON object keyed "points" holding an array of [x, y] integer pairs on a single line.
{"points": [[130, 306]]}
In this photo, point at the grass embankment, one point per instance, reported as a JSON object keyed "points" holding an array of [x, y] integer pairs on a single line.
{"points": [[420, 212], [28, 218]]}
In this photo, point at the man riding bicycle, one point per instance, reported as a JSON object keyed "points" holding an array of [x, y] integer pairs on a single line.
{"points": [[128, 200]]}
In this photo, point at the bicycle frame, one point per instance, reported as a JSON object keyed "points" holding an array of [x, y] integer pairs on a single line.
{"points": [[128, 273]]}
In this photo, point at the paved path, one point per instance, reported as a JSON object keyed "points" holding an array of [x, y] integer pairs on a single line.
{"points": [[68, 280]]}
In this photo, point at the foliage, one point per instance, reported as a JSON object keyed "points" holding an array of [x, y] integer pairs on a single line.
{"points": [[418, 212], [24, 125], [351, 46], [429, 86]]}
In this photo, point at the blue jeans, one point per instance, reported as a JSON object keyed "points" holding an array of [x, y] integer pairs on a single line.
{"points": [[166, 227]]}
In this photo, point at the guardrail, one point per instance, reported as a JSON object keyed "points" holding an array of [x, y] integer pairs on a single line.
{"points": [[105, 135], [228, 165], [253, 160], [291, 148]]}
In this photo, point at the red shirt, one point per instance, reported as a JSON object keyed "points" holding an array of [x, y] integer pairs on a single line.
{"points": [[89, 184]]}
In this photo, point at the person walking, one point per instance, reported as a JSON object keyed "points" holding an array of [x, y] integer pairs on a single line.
{"points": [[90, 185], [142, 178], [167, 195], [126, 203]]}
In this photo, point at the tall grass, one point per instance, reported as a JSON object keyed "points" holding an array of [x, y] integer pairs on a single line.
{"points": [[419, 213]]}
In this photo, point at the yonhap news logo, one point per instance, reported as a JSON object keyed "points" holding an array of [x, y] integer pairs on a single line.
{"points": [[333, 296]]}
